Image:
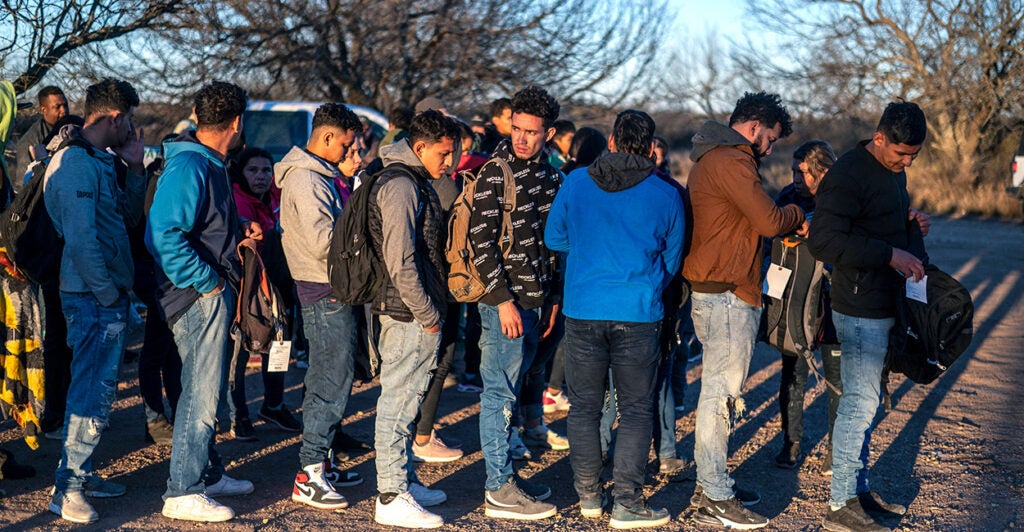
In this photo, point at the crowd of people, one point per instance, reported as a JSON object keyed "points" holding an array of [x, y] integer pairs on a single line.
{"points": [[608, 278]]}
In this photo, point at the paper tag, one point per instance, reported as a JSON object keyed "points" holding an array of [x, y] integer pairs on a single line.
{"points": [[280, 352], [918, 290], [778, 278]]}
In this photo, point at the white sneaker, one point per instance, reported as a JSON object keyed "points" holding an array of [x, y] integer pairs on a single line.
{"points": [[426, 496], [227, 487], [542, 436], [516, 448], [196, 507], [405, 512], [312, 488]]}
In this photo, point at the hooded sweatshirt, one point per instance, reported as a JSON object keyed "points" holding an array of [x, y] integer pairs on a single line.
{"points": [[193, 227], [731, 213], [310, 203], [91, 213], [622, 228]]}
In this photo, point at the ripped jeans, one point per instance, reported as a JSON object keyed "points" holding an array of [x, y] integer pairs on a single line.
{"points": [[97, 335], [727, 327]]}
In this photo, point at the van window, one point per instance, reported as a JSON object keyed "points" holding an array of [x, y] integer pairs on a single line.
{"points": [[276, 131]]}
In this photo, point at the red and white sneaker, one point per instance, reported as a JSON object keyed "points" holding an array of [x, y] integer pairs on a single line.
{"points": [[555, 403], [311, 488]]}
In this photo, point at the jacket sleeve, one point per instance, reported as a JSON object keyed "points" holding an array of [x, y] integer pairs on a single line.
{"points": [[556, 229], [487, 214], [397, 201], [72, 193], [134, 198], [179, 194], [831, 238], [313, 198], [764, 216], [675, 238]]}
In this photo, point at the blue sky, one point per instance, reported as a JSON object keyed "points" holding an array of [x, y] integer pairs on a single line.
{"points": [[700, 16]]}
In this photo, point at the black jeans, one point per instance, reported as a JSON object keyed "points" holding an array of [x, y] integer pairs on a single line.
{"points": [[449, 335], [273, 386], [159, 363], [56, 359], [632, 352], [792, 386]]}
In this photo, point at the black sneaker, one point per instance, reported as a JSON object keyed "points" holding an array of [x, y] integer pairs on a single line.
{"points": [[242, 430], [340, 478], [729, 513], [790, 456], [746, 497], [509, 502], [640, 516], [592, 504], [280, 417], [342, 442], [826, 463], [533, 489], [875, 506], [851, 518]]}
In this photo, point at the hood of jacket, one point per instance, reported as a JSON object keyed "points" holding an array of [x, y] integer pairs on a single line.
{"points": [[712, 135], [187, 142], [299, 159], [613, 172], [401, 152]]}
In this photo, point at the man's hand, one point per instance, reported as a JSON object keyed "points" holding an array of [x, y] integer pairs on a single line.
{"points": [[433, 330], [804, 227], [908, 265], [252, 230], [548, 318], [217, 289], [511, 319], [131, 152], [923, 220]]}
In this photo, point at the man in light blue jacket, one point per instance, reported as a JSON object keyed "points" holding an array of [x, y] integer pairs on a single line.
{"points": [[90, 211], [622, 228]]}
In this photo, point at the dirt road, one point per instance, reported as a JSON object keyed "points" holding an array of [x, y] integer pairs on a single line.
{"points": [[952, 451]]}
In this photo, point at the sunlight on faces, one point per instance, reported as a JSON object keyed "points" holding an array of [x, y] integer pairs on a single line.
{"points": [[503, 123], [352, 162], [529, 135], [436, 157], [258, 173], [891, 155], [335, 143], [121, 127], [764, 139], [53, 108]]}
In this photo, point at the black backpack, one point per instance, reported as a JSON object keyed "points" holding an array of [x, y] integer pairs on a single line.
{"points": [[793, 323], [929, 337], [354, 269], [26, 230], [260, 317]]}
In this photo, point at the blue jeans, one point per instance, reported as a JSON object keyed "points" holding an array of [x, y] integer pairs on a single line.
{"points": [[632, 353], [501, 362], [331, 330], [727, 327], [96, 334], [408, 355], [865, 342], [202, 337]]}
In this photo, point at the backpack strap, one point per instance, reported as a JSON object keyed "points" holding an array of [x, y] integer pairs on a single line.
{"points": [[507, 206]]}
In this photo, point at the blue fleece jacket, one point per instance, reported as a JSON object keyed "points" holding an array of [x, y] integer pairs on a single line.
{"points": [[622, 229], [193, 226]]}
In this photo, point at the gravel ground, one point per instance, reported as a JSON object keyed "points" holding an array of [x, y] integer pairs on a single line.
{"points": [[950, 451]]}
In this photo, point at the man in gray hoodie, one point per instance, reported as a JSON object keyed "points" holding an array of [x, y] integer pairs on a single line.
{"points": [[310, 204], [407, 231], [90, 211]]}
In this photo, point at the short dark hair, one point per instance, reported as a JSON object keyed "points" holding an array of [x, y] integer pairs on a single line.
{"points": [[587, 145], [218, 103], [431, 126], [243, 158], [633, 131], [47, 91], [763, 107], [562, 127], [903, 123], [110, 95], [336, 115], [401, 116], [536, 101], [498, 106]]}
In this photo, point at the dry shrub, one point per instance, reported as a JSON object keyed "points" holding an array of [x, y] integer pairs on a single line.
{"points": [[942, 197]]}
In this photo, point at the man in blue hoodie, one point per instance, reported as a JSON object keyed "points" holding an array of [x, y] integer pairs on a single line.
{"points": [[622, 229], [193, 233], [90, 211]]}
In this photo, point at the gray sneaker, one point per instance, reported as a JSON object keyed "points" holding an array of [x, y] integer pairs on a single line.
{"points": [[592, 505], [72, 506], [639, 516], [729, 513], [851, 518], [509, 502]]}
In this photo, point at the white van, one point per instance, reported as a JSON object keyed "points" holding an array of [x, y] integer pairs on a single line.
{"points": [[276, 126]]}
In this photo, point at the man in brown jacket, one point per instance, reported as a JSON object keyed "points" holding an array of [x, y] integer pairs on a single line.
{"points": [[731, 213]]}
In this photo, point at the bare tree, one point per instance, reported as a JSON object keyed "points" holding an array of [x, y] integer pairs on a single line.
{"points": [[961, 60], [385, 52], [36, 34]]}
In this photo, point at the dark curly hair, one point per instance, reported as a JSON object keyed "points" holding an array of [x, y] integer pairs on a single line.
{"points": [[336, 115], [633, 131], [903, 123], [762, 107], [432, 126], [110, 95], [536, 101], [218, 103]]}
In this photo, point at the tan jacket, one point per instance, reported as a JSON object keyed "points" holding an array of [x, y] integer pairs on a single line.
{"points": [[731, 213]]}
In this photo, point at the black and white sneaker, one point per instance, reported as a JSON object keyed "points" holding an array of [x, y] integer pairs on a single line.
{"points": [[746, 497], [311, 488], [340, 478], [729, 513]]}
